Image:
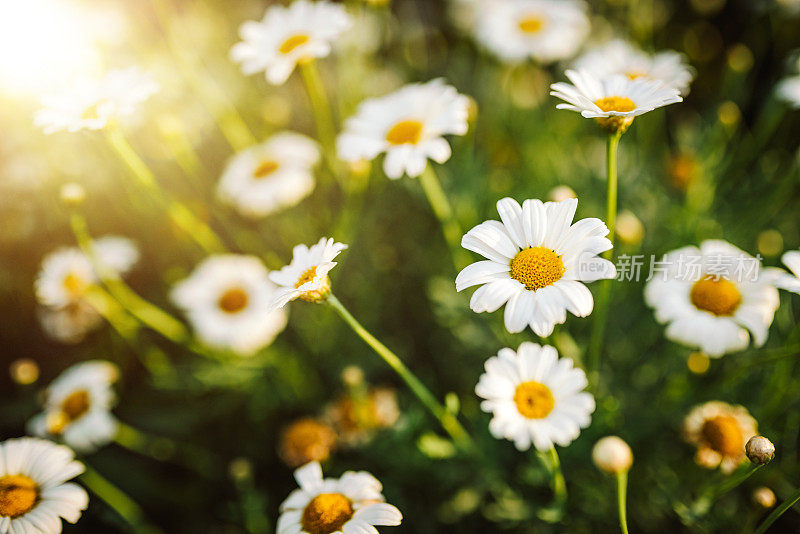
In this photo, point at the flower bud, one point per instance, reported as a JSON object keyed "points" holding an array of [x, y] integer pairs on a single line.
{"points": [[764, 496], [561, 192], [760, 450], [612, 455]]}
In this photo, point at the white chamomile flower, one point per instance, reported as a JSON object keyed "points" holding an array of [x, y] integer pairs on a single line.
{"points": [[306, 277], [536, 263], [720, 432], [535, 397], [34, 490], [93, 104], [783, 280], [408, 125], [789, 91], [71, 323], [545, 30], [622, 58], [289, 35], [77, 407], [614, 100], [227, 299], [276, 174], [711, 296], [351, 504]]}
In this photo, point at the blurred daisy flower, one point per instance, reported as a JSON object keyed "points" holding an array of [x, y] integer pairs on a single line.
{"points": [[408, 125], [720, 432], [619, 57], [535, 397], [788, 90], [306, 440], [352, 504], [276, 174], [711, 296], [787, 281], [536, 262], [306, 277], [34, 492], [289, 35], [77, 407], [613, 101], [69, 324], [545, 30], [357, 419], [92, 105], [227, 300]]}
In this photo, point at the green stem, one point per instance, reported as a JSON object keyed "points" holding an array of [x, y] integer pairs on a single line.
{"points": [[448, 420], [444, 212], [622, 492], [777, 512], [703, 504], [115, 498], [326, 131], [555, 511]]}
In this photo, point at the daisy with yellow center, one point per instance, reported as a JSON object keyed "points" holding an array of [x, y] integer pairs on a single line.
{"points": [[613, 100], [77, 407], [350, 504], [712, 296], [306, 277], [227, 299], [306, 440], [720, 432], [34, 490], [288, 35], [357, 418], [536, 263], [274, 175], [408, 125], [535, 397], [787, 281]]}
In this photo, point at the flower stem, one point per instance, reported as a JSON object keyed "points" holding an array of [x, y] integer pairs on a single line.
{"points": [[777, 512], [703, 504], [622, 492], [447, 419], [115, 498], [323, 116], [554, 512], [444, 212]]}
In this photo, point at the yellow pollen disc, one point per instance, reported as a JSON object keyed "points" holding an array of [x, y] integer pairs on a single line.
{"points": [[534, 400], [265, 169], [405, 132], [716, 295], [326, 513], [537, 267], [233, 300], [632, 75], [620, 104], [290, 44], [306, 276], [531, 24], [724, 435], [74, 284], [18, 495]]}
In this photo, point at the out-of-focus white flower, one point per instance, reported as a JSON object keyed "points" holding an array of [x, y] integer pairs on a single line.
{"points": [[352, 504], [77, 407], [276, 174], [537, 261], [34, 492], [783, 280], [561, 192], [92, 104], [711, 296], [408, 125], [535, 397], [720, 432], [619, 57], [227, 299], [545, 30], [289, 35], [788, 90], [71, 323], [612, 455], [306, 277]]}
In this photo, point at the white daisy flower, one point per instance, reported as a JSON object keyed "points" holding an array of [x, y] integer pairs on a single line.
{"points": [[789, 91], [77, 407], [306, 277], [535, 397], [536, 261], [352, 504], [408, 125], [34, 492], [69, 324], [92, 104], [711, 296], [720, 432], [614, 101], [783, 280], [619, 57], [289, 35], [227, 299], [276, 174], [545, 30]]}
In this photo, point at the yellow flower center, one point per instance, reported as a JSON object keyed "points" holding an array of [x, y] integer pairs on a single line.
{"points": [[633, 74], [74, 284], [716, 295], [18, 495], [537, 267], [724, 435], [531, 24], [233, 300], [326, 513], [621, 104], [405, 132], [265, 169], [290, 44], [534, 400], [92, 112], [72, 408], [307, 440], [306, 276]]}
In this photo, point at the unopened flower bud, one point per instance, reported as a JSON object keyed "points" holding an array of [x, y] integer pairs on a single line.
{"points": [[629, 228], [612, 455], [764, 496], [760, 450], [561, 192], [73, 194], [352, 375]]}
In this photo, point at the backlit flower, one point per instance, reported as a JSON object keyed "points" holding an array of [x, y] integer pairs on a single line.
{"points": [[788, 90], [357, 419], [306, 440], [306, 277], [720, 432]]}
